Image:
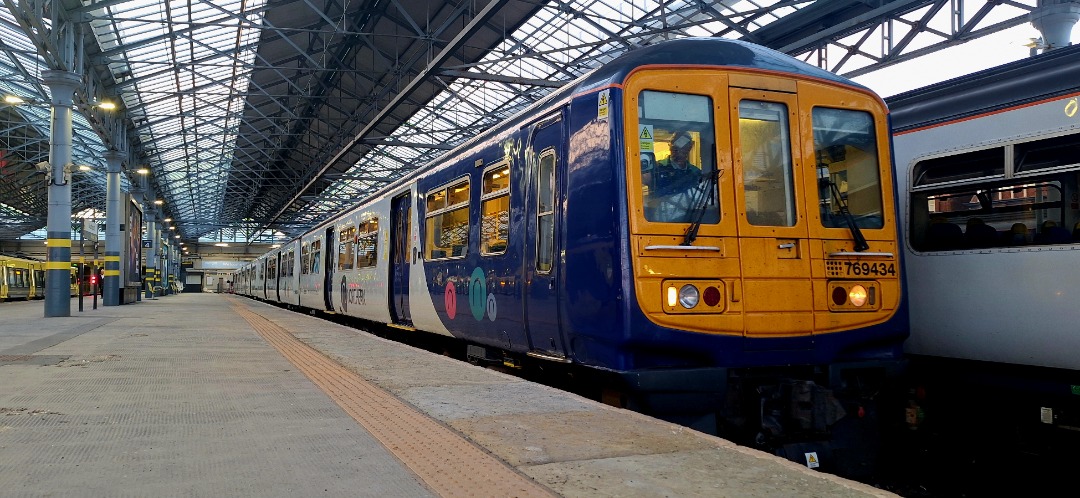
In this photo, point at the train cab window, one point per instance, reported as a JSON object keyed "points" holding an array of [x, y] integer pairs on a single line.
{"points": [[848, 171], [768, 182], [346, 247], [367, 243], [495, 210], [447, 222], [676, 144]]}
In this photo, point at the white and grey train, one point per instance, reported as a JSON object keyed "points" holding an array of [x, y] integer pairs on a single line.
{"points": [[988, 181]]}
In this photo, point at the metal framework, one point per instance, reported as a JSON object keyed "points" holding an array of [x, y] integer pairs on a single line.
{"points": [[260, 118]]}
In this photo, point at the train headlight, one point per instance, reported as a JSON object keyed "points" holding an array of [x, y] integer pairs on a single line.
{"points": [[688, 296], [857, 295], [854, 296]]}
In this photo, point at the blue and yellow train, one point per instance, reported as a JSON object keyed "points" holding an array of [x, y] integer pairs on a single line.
{"points": [[707, 221]]}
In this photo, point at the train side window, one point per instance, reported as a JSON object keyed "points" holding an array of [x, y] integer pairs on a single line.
{"points": [[999, 214], [848, 173], [367, 243], [1048, 153], [447, 222], [768, 176], [986, 163], [676, 143], [346, 247], [495, 209]]}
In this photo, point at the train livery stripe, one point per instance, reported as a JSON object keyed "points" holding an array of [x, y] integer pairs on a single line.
{"points": [[58, 242], [449, 464]]}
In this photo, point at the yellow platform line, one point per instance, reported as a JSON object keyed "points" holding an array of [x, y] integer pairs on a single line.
{"points": [[448, 463]]}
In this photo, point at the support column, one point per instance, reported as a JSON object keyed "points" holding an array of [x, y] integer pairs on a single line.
{"points": [[62, 85], [1055, 20], [113, 243]]}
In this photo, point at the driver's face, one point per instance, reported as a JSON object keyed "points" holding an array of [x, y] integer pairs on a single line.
{"points": [[681, 155]]}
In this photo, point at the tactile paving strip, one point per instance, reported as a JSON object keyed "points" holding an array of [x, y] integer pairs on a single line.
{"points": [[449, 464]]}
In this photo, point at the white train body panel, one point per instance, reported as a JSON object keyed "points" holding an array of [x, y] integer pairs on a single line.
{"points": [[1017, 304]]}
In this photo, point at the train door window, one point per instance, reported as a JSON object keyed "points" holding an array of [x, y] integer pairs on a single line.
{"points": [[848, 171], [316, 256], [677, 148], [271, 269], [292, 262], [768, 180], [367, 243], [305, 258], [545, 211], [346, 247], [495, 209], [447, 222]]}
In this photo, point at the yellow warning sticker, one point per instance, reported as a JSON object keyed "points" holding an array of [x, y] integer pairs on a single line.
{"points": [[645, 138], [602, 104], [812, 460]]}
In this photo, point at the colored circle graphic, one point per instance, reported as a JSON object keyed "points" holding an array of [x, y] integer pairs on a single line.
{"points": [[478, 293], [344, 295], [450, 300], [492, 310]]}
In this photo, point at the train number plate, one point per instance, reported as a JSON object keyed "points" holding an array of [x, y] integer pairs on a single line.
{"points": [[860, 269]]}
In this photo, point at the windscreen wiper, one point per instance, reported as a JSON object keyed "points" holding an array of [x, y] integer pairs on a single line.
{"points": [[704, 197], [856, 234]]}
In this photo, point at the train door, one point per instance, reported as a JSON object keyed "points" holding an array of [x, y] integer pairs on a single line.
{"points": [[400, 249], [545, 161], [328, 251], [774, 244]]}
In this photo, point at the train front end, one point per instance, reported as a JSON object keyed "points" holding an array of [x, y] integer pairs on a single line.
{"points": [[763, 248]]}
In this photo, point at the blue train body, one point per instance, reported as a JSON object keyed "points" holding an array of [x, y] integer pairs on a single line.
{"points": [[560, 261]]}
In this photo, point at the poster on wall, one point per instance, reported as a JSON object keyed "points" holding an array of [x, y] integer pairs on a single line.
{"points": [[133, 258]]}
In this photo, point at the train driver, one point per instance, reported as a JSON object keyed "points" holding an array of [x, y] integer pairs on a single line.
{"points": [[675, 173], [670, 180]]}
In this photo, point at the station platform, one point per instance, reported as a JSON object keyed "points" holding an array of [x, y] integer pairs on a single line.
{"points": [[220, 395]]}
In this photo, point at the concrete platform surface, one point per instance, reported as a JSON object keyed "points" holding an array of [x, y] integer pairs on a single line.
{"points": [[220, 395]]}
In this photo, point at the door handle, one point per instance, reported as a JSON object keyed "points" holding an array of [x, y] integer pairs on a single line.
{"points": [[788, 245]]}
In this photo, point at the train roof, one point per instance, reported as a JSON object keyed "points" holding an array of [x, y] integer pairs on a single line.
{"points": [[1045, 76], [707, 52]]}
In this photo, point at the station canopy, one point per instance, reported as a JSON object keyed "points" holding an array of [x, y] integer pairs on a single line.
{"points": [[255, 120]]}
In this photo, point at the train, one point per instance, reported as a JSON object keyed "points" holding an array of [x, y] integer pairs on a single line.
{"points": [[988, 176], [24, 279], [707, 223]]}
